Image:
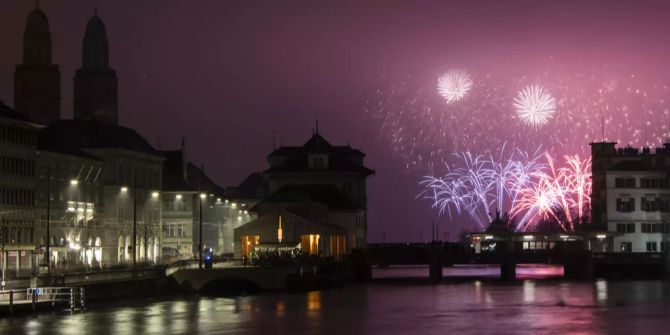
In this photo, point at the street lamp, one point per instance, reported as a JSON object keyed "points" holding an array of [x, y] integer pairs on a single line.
{"points": [[48, 246], [202, 196]]}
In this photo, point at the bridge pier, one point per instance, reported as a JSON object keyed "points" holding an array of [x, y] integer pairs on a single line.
{"points": [[578, 265], [435, 266], [508, 269]]}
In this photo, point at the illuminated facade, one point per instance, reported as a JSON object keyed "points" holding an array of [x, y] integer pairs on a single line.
{"points": [[319, 191], [631, 196], [74, 186]]}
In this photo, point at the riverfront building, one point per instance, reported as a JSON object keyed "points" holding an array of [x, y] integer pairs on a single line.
{"points": [[18, 139], [188, 192], [631, 196], [317, 201]]}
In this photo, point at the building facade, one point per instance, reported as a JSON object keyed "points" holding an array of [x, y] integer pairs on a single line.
{"points": [[18, 226], [631, 196], [318, 193]]}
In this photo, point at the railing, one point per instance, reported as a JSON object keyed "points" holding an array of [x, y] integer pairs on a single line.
{"points": [[73, 297]]}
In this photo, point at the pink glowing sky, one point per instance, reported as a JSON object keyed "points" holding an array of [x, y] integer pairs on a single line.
{"points": [[210, 70]]}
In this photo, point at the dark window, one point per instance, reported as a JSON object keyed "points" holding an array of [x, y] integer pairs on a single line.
{"points": [[646, 228], [653, 182], [620, 228], [626, 246], [651, 247], [648, 204], [630, 228], [664, 246], [625, 205]]}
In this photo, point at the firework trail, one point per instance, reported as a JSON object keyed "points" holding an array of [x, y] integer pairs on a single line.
{"points": [[480, 184], [529, 187]]}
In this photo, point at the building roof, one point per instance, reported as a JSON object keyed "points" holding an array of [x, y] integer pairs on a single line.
{"points": [[74, 136], [196, 177], [173, 172], [326, 194], [340, 158], [182, 176], [252, 187], [9, 113]]}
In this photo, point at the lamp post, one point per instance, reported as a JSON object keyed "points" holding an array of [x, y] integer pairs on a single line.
{"points": [[201, 197], [4, 253], [134, 221], [48, 253]]}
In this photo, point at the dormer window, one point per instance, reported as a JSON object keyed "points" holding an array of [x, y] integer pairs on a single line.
{"points": [[318, 161]]}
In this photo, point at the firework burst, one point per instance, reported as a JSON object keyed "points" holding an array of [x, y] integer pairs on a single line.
{"points": [[528, 187], [535, 106], [454, 85]]}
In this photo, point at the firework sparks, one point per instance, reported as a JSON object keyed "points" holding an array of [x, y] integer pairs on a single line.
{"points": [[535, 106], [480, 184], [454, 85], [523, 185]]}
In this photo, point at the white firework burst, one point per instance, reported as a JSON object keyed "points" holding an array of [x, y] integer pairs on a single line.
{"points": [[535, 106], [454, 85]]}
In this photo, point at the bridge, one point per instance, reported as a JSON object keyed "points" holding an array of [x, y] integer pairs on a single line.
{"points": [[577, 262]]}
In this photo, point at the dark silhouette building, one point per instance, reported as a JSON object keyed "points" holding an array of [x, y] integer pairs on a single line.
{"points": [[36, 79], [95, 84]]}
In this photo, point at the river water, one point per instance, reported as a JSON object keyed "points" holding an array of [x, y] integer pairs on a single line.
{"points": [[535, 305]]}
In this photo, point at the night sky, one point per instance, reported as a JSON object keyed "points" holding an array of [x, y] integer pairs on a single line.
{"points": [[226, 74]]}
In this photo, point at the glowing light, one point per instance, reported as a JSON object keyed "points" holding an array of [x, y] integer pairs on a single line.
{"points": [[203, 196], [124, 189], [527, 237], [601, 237], [279, 231], [74, 182], [454, 85], [154, 195], [535, 106], [178, 197]]}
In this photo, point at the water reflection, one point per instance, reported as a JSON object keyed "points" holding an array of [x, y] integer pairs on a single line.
{"points": [[487, 307]]}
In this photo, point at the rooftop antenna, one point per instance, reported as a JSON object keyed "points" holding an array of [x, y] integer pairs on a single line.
{"points": [[317, 126], [274, 139], [95, 10], [602, 124]]}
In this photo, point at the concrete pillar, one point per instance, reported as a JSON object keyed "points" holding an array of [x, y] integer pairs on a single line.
{"points": [[508, 264], [508, 270], [578, 265], [435, 266]]}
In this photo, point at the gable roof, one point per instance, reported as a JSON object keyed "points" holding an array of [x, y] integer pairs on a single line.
{"points": [[296, 159], [252, 187], [9, 113], [73, 136], [323, 194]]}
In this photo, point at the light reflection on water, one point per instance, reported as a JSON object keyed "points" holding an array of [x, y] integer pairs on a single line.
{"points": [[473, 306]]}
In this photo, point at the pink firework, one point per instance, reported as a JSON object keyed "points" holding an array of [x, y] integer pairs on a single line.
{"points": [[560, 194]]}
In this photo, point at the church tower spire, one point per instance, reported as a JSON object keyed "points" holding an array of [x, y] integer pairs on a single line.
{"points": [[95, 83], [36, 79]]}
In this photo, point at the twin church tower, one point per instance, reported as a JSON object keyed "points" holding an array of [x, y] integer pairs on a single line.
{"points": [[37, 91]]}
